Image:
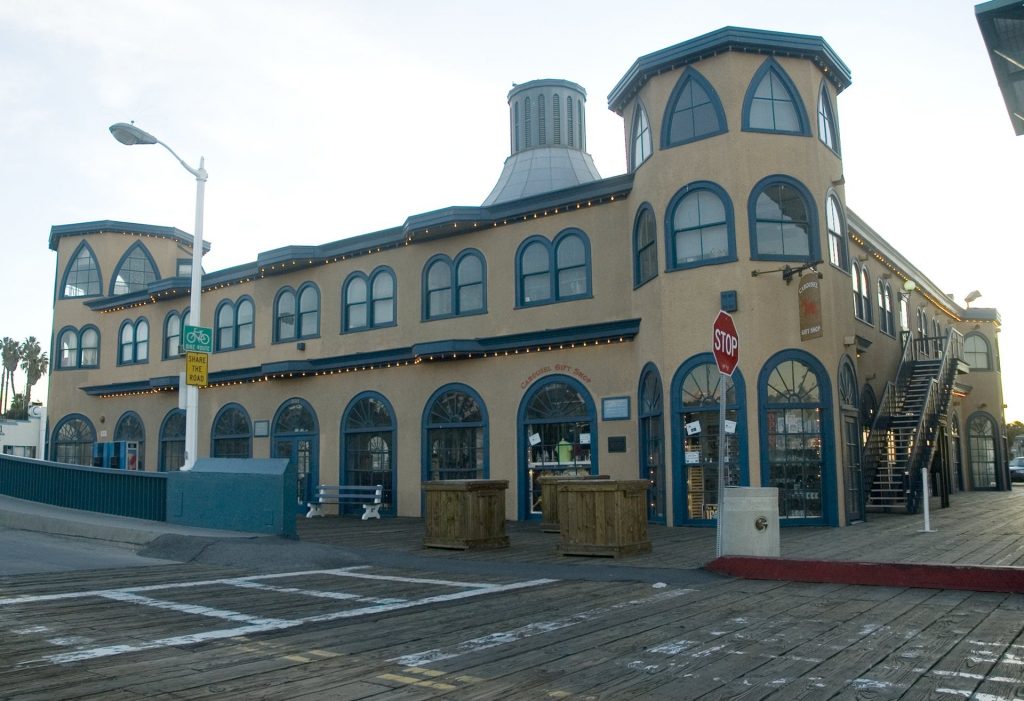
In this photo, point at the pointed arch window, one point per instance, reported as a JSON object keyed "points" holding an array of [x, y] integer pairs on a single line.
{"points": [[772, 102], [827, 132], [642, 143], [700, 226], [694, 111], [82, 277], [135, 271]]}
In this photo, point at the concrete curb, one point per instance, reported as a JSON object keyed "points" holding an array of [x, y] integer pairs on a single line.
{"points": [[887, 574]]}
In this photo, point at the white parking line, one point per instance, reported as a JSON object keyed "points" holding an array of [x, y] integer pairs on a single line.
{"points": [[255, 624]]}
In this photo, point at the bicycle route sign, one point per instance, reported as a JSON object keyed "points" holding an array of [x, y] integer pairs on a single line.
{"points": [[197, 338]]}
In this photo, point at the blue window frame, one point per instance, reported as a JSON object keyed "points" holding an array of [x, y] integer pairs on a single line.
{"points": [[835, 222], [234, 324], [82, 277], [455, 435], [133, 342], [773, 104], [784, 222], [297, 313], [641, 137], [368, 301], [645, 246], [78, 348], [454, 287], [983, 451], [130, 428], [174, 322], [797, 439], [553, 271], [231, 434], [694, 111], [699, 227], [696, 394], [828, 134], [134, 272]]}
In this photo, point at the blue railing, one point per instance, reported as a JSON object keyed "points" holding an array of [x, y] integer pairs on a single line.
{"points": [[116, 492]]}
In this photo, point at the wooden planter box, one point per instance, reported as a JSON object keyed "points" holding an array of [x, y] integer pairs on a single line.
{"points": [[465, 514], [549, 498], [603, 517]]}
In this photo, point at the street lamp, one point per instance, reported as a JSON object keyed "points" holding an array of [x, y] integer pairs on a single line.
{"points": [[131, 135]]}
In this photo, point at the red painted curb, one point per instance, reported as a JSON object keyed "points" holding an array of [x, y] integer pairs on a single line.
{"points": [[886, 574]]}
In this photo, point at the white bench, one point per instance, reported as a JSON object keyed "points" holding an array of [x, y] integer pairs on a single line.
{"points": [[369, 497]]}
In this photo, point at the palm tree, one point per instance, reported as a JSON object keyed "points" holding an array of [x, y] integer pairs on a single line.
{"points": [[11, 352], [35, 364]]}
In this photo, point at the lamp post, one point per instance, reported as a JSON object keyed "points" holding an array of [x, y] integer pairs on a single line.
{"points": [[131, 135]]}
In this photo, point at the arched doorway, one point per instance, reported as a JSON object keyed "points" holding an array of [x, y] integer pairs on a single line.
{"points": [[650, 414], [368, 447], [557, 428], [850, 410], [296, 436], [696, 399]]}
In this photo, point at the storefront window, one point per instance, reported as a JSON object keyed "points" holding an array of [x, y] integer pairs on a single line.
{"points": [[699, 397], [455, 437], [368, 437]]}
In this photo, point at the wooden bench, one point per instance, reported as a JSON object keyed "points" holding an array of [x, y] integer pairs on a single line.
{"points": [[369, 497]]}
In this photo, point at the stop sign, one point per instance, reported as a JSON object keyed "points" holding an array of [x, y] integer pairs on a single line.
{"points": [[726, 343]]}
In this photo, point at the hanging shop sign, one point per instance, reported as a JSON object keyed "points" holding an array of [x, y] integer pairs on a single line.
{"points": [[809, 298]]}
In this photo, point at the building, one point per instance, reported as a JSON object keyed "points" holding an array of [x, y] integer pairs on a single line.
{"points": [[564, 326]]}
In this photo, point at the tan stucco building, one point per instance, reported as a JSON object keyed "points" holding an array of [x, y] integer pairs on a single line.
{"points": [[565, 325]]}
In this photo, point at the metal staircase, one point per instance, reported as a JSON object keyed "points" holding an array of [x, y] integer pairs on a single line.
{"points": [[902, 438]]}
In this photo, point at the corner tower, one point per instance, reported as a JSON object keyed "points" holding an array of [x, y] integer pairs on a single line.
{"points": [[548, 135]]}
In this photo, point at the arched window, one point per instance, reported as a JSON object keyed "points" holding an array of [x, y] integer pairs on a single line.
{"points": [[356, 314], [785, 224], [556, 112], [982, 451], [976, 352], [72, 440], [515, 129], [82, 277], [454, 288], [382, 287], [130, 428], [556, 420], [700, 226], [284, 315], [245, 315], [851, 441], [173, 325], [553, 271], [827, 132], [886, 317], [772, 102], [696, 400], [295, 436], [368, 301], [796, 436], [642, 146], [133, 344], [368, 446], [528, 122], [541, 122], [693, 111], [172, 441], [134, 272], [569, 121], [89, 347], [861, 293], [650, 414], [231, 436], [645, 246], [67, 343], [224, 334], [838, 252], [309, 311], [455, 424]]}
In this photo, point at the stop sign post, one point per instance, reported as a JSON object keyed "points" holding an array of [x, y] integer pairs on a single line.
{"points": [[725, 344]]}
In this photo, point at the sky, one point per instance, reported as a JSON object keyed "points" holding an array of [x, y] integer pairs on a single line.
{"points": [[320, 120]]}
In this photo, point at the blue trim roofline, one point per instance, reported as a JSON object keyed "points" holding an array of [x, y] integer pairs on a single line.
{"points": [[725, 39], [433, 351], [106, 226]]}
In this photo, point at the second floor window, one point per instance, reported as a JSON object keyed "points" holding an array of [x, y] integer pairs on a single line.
{"points": [[297, 313], [454, 288], [78, 348], [234, 321], [133, 346], [173, 326], [553, 271], [368, 301]]}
